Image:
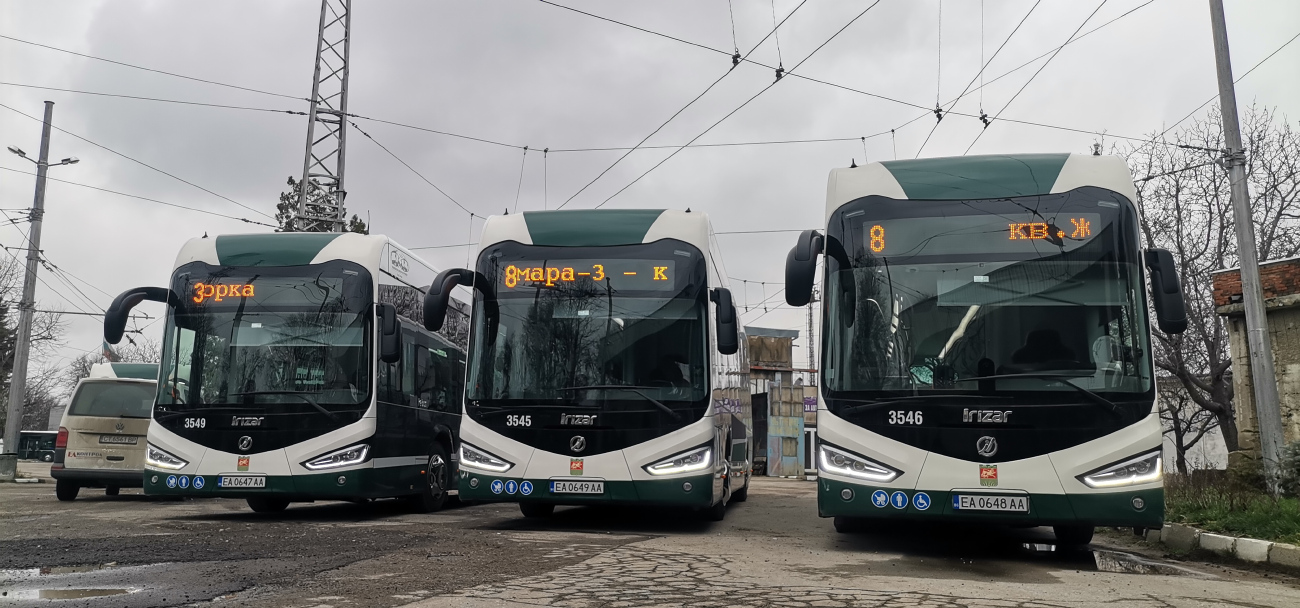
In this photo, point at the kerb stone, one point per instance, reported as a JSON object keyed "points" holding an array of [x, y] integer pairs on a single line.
{"points": [[1179, 537], [1217, 543], [1284, 555], [1252, 550]]}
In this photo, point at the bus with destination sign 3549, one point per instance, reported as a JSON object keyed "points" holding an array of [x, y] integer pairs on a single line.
{"points": [[292, 371], [986, 350]]}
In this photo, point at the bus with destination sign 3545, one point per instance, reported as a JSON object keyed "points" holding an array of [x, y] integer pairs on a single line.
{"points": [[292, 371], [606, 365], [986, 350]]}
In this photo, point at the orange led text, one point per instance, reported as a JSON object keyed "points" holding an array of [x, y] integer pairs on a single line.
{"points": [[204, 291]]}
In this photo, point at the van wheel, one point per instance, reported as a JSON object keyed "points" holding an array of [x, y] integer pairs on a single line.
{"points": [[536, 509], [1073, 536], [437, 476], [263, 504], [112, 491], [66, 490]]}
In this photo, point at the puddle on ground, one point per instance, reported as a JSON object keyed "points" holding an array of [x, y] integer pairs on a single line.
{"points": [[62, 594], [31, 573], [1125, 563]]}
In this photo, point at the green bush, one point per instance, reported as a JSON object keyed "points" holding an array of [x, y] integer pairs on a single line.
{"points": [[1232, 502]]}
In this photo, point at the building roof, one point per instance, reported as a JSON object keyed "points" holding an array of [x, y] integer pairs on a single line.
{"points": [[767, 332]]}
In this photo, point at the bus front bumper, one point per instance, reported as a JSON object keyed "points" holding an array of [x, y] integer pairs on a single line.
{"points": [[687, 491], [341, 485], [1122, 508]]}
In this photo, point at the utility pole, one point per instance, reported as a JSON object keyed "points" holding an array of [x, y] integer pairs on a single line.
{"points": [[321, 192], [27, 305], [1259, 344]]}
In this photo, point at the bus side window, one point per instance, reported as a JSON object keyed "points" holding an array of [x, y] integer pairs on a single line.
{"points": [[386, 385], [409, 368], [457, 385], [425, 377]]}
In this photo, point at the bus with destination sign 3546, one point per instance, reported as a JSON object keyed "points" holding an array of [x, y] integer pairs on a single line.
{"points": [[606, 365], [986, 350], [292, 371]]}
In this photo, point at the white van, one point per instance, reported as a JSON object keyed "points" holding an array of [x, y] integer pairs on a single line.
{"points": [[101, 440]]}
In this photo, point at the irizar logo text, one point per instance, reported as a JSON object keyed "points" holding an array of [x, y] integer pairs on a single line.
{"points": [[994, 416]]}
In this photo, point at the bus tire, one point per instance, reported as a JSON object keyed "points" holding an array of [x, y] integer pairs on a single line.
{"points": [[267, 504], [111, 491], [1073, 535], [850, 525], [66, 490], [437, 476], [717, 512], [742, 494], [536, 509]]}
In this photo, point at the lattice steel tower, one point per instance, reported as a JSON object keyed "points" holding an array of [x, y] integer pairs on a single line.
{"points": [[320, 198]]}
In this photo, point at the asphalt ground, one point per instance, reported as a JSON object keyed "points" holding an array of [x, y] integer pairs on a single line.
{"points": [[131, 550]]}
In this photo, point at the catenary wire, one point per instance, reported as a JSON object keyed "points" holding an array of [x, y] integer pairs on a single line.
{"points": [[138, 67], [675, 114], [144, 198], [137, 161], [408, 166], [1040, 71], [745, 103]]}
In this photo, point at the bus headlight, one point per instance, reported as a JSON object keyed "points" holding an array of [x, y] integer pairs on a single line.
{"points": [[474, 458], [155, 456], [834, 460], [1139, 469], [339, 458], [689, 461]]}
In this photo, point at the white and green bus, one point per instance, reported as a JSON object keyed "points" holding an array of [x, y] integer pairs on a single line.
{"points": [[291, 371], [606, 364], [986, 352]]}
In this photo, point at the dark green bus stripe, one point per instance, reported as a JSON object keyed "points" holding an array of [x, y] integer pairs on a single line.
{"points": [[977, 177]]}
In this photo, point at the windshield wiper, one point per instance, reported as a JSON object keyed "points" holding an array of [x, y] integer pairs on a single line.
{"points": [[866, 404], [299, 394], [194, 410], [631, 388], [1061, 377]]}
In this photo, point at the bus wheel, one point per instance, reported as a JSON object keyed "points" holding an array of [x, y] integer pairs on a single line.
{"points": [[111, 491], [437, 475], [66, 490], [742, 494], [265, 504], [1073, 536], [536, 509], [850, 525]]}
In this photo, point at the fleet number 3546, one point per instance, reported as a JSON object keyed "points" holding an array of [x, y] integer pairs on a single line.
{"points": [[904, 417]]}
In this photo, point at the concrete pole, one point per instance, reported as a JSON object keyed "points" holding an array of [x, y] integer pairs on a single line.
{"points": [[26, 306], [1257, 339]]}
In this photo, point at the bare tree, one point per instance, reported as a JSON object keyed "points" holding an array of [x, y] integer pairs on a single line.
{"points": [[1184, 422], [139, 350], [46, 336], [1183, 195]]}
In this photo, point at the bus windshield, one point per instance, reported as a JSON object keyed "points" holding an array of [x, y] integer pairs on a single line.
{"points": [[571, 320], [294, 335], [1007, 296]]}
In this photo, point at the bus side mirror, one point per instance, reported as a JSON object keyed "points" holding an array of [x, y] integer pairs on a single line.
{"points": [[801, 267], [1166, 293], [119, 311], [390, 333], [728, 332], [435, 302]]}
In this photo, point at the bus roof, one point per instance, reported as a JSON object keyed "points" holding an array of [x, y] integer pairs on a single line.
{"points": [[139, 371], [978, 177]]}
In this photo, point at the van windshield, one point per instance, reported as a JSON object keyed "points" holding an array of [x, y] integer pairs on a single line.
{"points": [[113, 399]]}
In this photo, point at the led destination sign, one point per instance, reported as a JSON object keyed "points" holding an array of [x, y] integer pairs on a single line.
{"points": [[627, 274], [216, 293], [992, 233]]}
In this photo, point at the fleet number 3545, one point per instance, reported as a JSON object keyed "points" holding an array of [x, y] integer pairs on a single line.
{"points": [[513, 420]]}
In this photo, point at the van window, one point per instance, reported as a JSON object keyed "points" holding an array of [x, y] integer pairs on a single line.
{"points": [[113, 399]]}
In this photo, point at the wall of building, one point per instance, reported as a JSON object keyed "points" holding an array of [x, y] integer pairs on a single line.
{"points": [[1281, 285]]}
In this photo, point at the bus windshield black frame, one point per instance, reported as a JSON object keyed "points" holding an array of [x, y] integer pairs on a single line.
{"points": [[1003, 298], [300, 344], [592, 343]]}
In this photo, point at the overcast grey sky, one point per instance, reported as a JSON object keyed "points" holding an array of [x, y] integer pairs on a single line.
{"points": [[525, 73]]}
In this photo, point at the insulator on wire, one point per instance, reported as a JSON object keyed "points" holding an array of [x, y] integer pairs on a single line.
{"points": [[938, 113], [780, 71], [735, 59], [984, 118]]}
